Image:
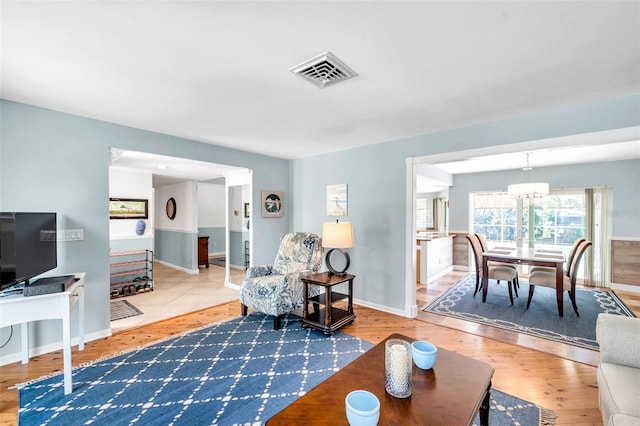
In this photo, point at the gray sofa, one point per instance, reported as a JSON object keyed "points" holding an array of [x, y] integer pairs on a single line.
{"points": [[619, 369]]}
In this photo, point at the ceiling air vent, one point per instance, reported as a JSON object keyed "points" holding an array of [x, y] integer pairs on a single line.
{"points": [[324, 70]]}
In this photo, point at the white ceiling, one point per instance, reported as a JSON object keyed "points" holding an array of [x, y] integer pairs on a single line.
{"points": [[218, 71], [555, 155], [169, 170], [546, 157]]}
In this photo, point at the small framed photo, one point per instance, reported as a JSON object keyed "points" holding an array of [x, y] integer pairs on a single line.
{"points": [[337, 200], [128, 208], [272, 203]]}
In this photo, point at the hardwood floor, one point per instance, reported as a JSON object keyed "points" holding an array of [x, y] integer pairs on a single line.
{"points": [[558, 383]]}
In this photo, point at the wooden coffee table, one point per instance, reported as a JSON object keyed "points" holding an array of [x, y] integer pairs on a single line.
{"points": [[451, 393]]}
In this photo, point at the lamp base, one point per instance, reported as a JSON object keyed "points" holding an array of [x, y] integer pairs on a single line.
{"points": [[332, 270]]}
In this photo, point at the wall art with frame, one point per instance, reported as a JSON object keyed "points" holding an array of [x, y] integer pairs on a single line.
{"points": [[337, 200], [272, 203], [128, 208]]}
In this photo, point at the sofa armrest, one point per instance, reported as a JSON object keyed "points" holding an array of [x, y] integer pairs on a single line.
{"points": [[619, 339], [259, 271]]}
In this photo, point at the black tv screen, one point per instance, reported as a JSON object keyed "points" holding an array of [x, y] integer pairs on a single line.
{"points": [[27, 246]]}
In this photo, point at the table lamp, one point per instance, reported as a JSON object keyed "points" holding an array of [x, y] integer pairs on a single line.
{"points": [[337, 236]]}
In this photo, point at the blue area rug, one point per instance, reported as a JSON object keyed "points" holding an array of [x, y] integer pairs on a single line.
{"points": [[235, 372], [508, 410], [540, 320]]}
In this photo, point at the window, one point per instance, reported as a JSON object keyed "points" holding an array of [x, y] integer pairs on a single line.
{"points": [[494, 215], [558, 219], [424, 214]]}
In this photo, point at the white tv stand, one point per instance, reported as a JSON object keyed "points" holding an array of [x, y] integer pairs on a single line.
{"points": [[17, 309]]}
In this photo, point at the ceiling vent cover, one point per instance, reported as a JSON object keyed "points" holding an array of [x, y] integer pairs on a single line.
{"points": [[324, 70]]}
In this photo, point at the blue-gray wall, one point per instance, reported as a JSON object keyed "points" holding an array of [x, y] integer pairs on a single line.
{"points": [[126, 244], [236, 248], [375, 175], [217, 239], [51, 161], [56, 161], [177, 248]]}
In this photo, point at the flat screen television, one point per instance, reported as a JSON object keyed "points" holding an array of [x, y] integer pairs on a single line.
{"points": [[27, 246]]}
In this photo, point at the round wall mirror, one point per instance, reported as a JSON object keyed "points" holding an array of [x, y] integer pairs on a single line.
{"points": [[171, 208]]}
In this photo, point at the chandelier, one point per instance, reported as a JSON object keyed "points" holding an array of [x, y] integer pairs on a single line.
{"points": [[528, 189]]}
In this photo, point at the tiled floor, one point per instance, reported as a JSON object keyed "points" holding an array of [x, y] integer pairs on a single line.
{"points": [[176, 293]]}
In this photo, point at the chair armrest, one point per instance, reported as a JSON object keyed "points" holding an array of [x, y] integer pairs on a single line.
{"points": [[259, 271], [619, 339]]}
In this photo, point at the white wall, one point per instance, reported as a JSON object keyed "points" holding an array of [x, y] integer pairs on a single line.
{"points": [[186, 197], [211, 204], [127, 183]]}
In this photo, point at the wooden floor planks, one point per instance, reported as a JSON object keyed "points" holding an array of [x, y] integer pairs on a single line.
{"points": [[551, 375]]}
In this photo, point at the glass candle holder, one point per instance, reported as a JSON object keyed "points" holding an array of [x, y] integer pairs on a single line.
{"points": [[397, 368]]}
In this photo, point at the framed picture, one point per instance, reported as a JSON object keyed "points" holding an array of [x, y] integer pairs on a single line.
{"points": [[247, 209], [128, 208], [337, 200], [272, 203]]}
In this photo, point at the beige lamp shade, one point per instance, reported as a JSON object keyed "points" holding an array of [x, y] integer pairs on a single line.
{"points": [[528, 190], [337, 235]]}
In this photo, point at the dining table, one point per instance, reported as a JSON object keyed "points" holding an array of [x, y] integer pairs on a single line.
{"points": [[551, 258]]}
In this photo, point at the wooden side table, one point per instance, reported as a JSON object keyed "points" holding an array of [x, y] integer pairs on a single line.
{"points": [[328, 318]]}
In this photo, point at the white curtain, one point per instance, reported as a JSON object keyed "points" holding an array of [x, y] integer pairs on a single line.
{"points": [[598, 260]]}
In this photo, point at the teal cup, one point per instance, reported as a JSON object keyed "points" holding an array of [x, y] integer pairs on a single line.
{"points": [[423, 354], [363, 408]]}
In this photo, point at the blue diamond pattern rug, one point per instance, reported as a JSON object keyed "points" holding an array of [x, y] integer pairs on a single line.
{"points": [[508, 410], [237, 372], [540, 320]]}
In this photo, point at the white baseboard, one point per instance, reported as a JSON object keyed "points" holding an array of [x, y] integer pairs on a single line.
{"points": [[232, 285], [382, 308], [242, 268], [625, 287], [440, 274], [52, 347], [411, 311], [179, 268], [460, 268]]}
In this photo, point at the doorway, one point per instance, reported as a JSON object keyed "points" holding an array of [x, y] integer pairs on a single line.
{"points": [[197, 191], [575, 149]]}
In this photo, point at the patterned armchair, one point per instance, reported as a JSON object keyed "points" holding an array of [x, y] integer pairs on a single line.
{"points": [[277, 289]]}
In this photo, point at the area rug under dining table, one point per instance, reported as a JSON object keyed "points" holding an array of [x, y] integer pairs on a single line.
{"points": [[235, 372], [540, 320]]}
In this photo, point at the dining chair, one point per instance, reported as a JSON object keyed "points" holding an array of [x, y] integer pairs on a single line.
{"points": [[570, 256], [507, 274], [548, 279], [483, 244]]}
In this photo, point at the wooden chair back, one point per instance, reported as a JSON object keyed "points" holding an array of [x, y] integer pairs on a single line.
{"points": [[477, 251], [573, 251], [482, 241], [575, 262]]}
